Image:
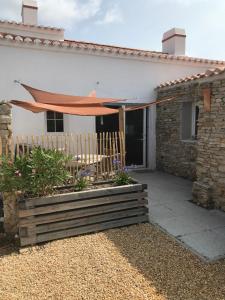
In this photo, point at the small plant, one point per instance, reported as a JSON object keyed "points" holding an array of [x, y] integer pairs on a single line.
{"points": [[122, 177], [81, 184], [81, 181], [35, 174]]}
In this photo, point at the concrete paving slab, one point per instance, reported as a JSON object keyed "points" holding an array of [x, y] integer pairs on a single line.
{"points": [[183, 207], [160, 212], [159, 182], [199, 229], [179, 226], [220, 230], [210, 244], [211, 221]]}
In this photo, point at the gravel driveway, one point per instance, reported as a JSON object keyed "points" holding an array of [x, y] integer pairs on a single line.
{"points": [[135, 263]]}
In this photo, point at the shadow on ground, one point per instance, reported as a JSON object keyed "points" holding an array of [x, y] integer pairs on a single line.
{"points": [[173, 270], [7, 246]]}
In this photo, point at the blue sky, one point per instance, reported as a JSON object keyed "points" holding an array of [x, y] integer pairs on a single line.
{"points": [[134, 23]]}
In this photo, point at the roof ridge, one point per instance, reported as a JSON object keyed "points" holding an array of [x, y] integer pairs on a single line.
{"points": [[105, 48], [115, 46], [30, 25], [208, 73]]}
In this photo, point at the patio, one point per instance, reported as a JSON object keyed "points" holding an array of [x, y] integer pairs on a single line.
{"points": [[199, 229]]}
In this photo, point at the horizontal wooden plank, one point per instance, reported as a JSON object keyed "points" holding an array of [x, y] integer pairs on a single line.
{"points": [[33, 239], [90, 220], [29, 234], [30, 240], [91, 228], [80, 204], [78, 213], [82, 221], [84, 194]]}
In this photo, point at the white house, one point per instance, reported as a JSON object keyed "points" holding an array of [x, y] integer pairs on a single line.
{"points": [[43, 58]]}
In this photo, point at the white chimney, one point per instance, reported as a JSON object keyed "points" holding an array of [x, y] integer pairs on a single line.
{"points": [[30, 12], [174, 42]]}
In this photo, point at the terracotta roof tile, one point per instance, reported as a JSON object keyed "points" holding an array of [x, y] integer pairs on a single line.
{"points": [[105, 48], [206, 74], [19, 24]]}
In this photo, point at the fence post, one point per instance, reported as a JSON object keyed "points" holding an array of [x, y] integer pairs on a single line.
{"points": [[122, 119]]}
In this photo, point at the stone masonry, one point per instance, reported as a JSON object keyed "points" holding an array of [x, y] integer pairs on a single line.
{"points": [[210, 165], [5, 135], [202, 160], [5, 126], [174, 155]]}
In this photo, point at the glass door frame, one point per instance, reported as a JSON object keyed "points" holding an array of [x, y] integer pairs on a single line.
{"points": [[144, 139]]}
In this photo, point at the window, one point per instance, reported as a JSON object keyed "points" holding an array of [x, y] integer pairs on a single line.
{"points": [[55, 122], [189, 117], [196, 120]]}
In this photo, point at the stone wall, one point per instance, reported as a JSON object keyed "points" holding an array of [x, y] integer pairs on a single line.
{"points": [[5, 126], [5, 134], [204, 159], [174, 155], [209, 188]]}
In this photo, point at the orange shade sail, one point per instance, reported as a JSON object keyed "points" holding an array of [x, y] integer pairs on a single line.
{"points": [[60, 99], [71, 110], [75, 105]]}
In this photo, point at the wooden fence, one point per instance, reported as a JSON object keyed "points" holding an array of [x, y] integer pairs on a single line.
{"points": [[95, 151], [59, 216]]}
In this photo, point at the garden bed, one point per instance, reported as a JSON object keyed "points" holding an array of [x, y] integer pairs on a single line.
{"points": [[41, 206], [63, 215]]}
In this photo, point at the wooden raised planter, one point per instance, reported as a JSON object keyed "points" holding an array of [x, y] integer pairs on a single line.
{"points": [[65, 215]]}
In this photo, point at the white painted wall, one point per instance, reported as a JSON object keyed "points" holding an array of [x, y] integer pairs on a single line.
{"points": [[75, 73]]}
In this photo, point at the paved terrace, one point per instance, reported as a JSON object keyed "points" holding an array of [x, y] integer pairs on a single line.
{"points": [[199, 229]]}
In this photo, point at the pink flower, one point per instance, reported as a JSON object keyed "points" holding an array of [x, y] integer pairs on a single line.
{"points": [[18, 174]]}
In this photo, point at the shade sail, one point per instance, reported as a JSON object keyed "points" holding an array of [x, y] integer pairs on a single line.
{"points": [[65, 100], [71, 110], [75, 105]]}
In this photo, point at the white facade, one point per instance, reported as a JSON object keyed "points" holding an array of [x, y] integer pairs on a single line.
{"points": [[75, 71]]}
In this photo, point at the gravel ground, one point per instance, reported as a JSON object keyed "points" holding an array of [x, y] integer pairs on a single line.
{"points": [[135, 263]]}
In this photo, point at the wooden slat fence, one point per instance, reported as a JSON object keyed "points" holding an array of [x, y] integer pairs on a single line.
{"points": [[93, 151], [59, 216]]}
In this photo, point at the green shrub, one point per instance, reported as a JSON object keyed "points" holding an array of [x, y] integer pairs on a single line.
{"points": [[35, 174], [11, 179]]}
